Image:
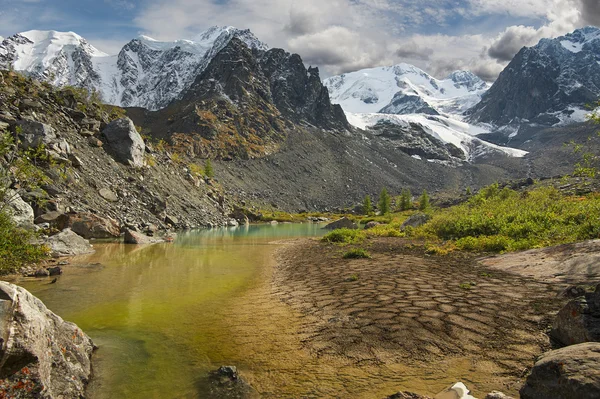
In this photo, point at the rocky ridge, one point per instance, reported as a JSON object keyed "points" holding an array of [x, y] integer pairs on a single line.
{"points": [[547, 84]]}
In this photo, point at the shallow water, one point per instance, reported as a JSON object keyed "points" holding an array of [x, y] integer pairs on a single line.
{"points": [[164, 315]]}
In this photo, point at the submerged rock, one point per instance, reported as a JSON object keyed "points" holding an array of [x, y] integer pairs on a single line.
{"points": [[227, 383], [41, 355], [567, 373]]}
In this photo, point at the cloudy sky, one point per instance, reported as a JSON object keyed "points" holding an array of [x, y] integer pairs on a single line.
{"points": [[337, 35]]}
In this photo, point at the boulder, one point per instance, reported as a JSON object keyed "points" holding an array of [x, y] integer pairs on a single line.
{"points": [[343, 223], [371, 224], [125, 142], [51, 218], [172, 220], [33, 134], [68, 243], [568, 373], [108, 195], [456, 391], [135, 237], [579, 320], [416, 220], [87, 225], [42, 356], [20, 211]]}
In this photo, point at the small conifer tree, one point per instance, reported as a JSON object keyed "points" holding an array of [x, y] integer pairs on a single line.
{"points": [[367, 205], [384, 202], [405, 200], [424, 201]]}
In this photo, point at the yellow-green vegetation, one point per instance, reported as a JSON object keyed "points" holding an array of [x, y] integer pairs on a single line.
{"points": [[356, 253], [345, 236], [15, 246], [208, 169], [196, 170], [498, 220]]}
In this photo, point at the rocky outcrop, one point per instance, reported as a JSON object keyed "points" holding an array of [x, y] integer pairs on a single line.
{"points": [[298, 93], [20, 211], [87, 225], [67, 243], [543, 83], [343, 223], [41, 355], [567, 373], [125, 142], [579, 320], [413, 140], [135, 237]]}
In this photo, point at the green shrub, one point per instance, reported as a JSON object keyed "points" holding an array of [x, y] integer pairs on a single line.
{"points": [[15, 246], [367, 207], [357, 253], [497, 220], [344, 236]]}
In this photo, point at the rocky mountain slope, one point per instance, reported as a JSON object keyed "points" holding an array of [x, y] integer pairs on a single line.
{"points": [[146, 73], [547, 84], [94, 166]]}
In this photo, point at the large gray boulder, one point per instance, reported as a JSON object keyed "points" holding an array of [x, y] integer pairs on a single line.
{"points": [[568, 373], [416, 220], [579, 320], [68, 243], [41, 355], [125, 142], [20, 211], [343, 223]]}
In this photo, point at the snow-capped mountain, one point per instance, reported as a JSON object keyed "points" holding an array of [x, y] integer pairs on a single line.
{"points": [[405, 89], [547, 84], [146, 72], [406, 96], [447, 129]]}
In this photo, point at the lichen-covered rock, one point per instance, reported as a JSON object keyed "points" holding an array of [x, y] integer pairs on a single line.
{"points": [[567, 373], [125, 142], [41, 355], [579, 320], [68, 243]]}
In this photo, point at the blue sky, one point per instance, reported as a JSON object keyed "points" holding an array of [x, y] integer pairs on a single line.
{"points": [[336, 35]]}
